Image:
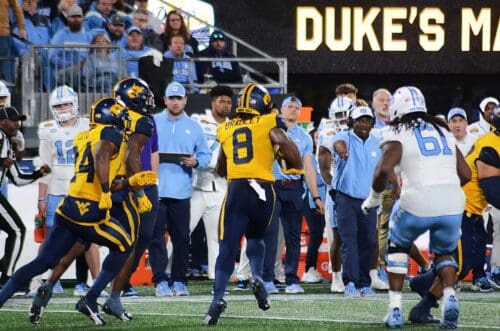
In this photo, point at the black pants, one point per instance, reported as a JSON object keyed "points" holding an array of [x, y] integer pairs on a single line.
{"points": [[10, 223], [316, 224]]}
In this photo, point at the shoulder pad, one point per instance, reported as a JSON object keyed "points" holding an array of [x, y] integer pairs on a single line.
{"points": [[47, 124], [489, 156]]}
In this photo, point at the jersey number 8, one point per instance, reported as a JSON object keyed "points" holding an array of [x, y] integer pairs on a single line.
{"points": [[242, 146]]}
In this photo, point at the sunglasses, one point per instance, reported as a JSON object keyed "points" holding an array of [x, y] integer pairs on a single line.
{"points": [[218, 36]]}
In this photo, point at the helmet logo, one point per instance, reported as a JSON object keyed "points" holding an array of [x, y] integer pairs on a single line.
{"points": [[266, 99], [134, 91]]}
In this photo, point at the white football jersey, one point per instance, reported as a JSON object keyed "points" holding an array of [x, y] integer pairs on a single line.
{"points": [[479, 128], [327, 129], [430, 183], [56, 150], [465, 144], [207, 179]]}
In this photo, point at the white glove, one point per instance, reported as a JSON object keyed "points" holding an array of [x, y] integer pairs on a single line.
{"points": [[372, 202]]}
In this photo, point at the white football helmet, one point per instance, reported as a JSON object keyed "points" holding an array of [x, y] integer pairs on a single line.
{"points": [[339, 112], [407, 99], [61, 95], [4, 92]]}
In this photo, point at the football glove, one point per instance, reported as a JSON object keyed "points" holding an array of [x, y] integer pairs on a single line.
{"points": [[105, 203], [143, 203], [372, 202], [292, 171], [143, 178]]}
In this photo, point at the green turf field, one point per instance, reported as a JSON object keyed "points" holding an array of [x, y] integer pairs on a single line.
{"points": [[314, 310]]}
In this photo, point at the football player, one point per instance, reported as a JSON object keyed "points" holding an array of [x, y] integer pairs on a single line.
{"points": [[336, 122], [246, 158], [431, 167], [55, 149]]}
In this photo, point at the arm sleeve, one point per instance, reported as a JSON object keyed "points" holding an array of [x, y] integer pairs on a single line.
{"points": [[202, 152], [489, 156], [19, 178], [144, 126], [111, 134]]}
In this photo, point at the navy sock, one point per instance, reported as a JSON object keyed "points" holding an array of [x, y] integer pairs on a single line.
{"points": [[255, 253]]}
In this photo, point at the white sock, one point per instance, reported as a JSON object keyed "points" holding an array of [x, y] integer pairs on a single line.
{"points": [[373, 273], [338, 275], [395, 299], [447, 292]]}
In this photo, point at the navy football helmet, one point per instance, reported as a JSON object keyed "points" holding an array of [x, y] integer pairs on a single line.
{"points": [[136, 94], [109, 111], [254, 99]]}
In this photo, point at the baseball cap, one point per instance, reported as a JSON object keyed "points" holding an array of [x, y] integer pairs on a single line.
{"points": [[175, 89], [486, 101], [456, 112], [132, 29], [74, 11], [217, 35], [360, 112], [11, 113], [290, 100], [117, 20]]}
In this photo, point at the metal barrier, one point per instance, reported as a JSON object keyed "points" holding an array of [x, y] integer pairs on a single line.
{"points": [[245, 53], [79, 66]]}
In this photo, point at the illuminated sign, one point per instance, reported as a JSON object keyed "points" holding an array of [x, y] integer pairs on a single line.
{"points": [[385, 36]]}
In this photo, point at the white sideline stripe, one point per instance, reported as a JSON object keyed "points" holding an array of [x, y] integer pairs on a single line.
{"points": [[276, 318]]}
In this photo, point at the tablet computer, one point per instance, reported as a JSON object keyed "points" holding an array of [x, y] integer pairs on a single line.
{"points": [[172, 157]]}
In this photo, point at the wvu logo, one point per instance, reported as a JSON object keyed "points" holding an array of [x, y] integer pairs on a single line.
{"points": [[83, 207], [134, 91]]}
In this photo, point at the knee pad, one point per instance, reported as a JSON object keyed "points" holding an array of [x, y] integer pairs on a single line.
{"points": [[445, 260], [397, 259]]}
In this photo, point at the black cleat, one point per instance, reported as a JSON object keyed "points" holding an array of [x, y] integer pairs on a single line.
{"points": [[40, 301], [115, 309], [214, 312], [93, 313], [260, 294]]}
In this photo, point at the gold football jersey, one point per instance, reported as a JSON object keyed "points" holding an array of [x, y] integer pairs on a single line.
{"points": [[475, 201], [248, 147], [85, 183]]}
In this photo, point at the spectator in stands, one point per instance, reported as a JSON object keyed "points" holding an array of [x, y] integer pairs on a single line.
{"points": [[100, 71], [183, 70], [221, 71], [115, 31], [174, 26], [154, 22], [38, 33], [60, 21], [135, 49], [68, 62], [7, 66], [178, 134], [99, 14], [151, 38]]}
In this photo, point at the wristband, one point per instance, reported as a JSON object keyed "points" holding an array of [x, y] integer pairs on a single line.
{"points": [[105, 187], [316, 198], [42, 199]]}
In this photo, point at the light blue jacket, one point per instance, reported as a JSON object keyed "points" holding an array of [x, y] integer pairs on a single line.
{"points": [[182, 135], [354, 176], [305, 146]]}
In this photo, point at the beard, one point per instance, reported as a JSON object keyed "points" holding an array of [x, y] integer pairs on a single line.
{"points": [[75, 26]]}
